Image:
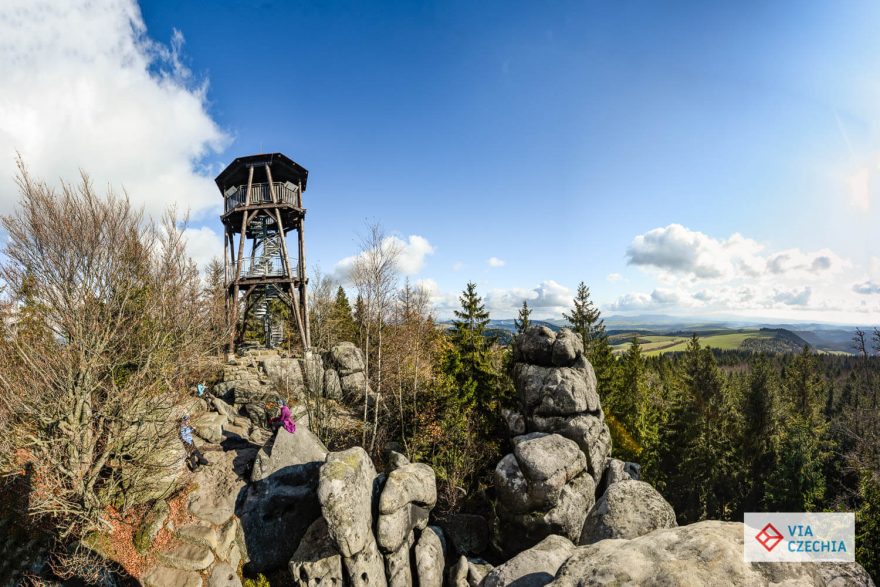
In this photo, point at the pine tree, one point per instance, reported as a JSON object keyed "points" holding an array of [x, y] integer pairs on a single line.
{"points": [[624, 406], [868, 524], [523, 323], [585, 318], [342, 320], [360, 320], [471, 365], [760, 424]]}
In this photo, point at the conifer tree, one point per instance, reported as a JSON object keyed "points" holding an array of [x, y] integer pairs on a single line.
{"points": [[342, 319], [760, 425], [523, 323], [584, 318], [360, 319], [470, 364]]}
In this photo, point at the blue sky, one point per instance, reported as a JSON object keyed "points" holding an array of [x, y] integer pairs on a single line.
{"points": [[685, 158]]}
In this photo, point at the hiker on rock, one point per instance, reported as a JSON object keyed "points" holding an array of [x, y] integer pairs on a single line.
{"points": [[194, 456], [285, 419]]}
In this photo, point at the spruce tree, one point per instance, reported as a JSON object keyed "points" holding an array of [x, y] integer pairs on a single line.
{"points": [[360, 320], [586, 321], [470, 364], [523, 323], [760, 423], [342, 319], [584, 318]]}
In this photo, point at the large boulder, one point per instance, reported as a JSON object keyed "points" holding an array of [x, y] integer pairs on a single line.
{"points": [[313, 371], [354, 385], [627, 509], [410, 483], [346, 489], [209, 426], [556, 391], [347, 358], [281, 503], [332, 384], [589, 431], [285, 373], [430, 557], [533, 476], [533, 567], [316, 561], [566, 518], [287, 450], [705, 553]]}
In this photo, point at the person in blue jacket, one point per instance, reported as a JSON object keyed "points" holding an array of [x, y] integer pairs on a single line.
{"points": [[194, 457]]}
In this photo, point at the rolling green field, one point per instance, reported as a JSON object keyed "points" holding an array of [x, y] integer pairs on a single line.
{"points": [[656, 344]]}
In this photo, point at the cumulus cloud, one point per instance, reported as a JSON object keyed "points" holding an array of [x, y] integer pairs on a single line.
{"points": [[412, 254], [867, 288], [612, 277], [84, 87], [795, 297], [659, 298], [548, 299], [203, 244], [495, 262], [675, 250]]}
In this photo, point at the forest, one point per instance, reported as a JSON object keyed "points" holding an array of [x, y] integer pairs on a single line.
{"points": [[106, 329]]}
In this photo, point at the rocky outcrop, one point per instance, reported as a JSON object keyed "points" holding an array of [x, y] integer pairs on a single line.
{"points": [[345, 367], [373, 528], [705, 553], [533, 567], [287, 450], [281, 502], [316, 560], [548, 484], [627, 509]]}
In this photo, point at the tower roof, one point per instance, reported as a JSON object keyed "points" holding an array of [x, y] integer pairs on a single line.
{"points": [[283, 169]]}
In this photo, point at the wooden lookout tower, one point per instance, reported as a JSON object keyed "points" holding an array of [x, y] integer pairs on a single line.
{"points": [[262, 197]]}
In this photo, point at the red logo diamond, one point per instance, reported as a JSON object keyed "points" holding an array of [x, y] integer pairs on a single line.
{"points": [[769, 537]]}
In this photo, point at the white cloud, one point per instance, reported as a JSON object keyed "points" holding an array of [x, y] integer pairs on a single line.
{"points": [[203, 244], [457, 266], [867, 288], [412, 253], [84, 87], [612, 277], [675, 251], [549, 299], [411, 259], [495, 262], [793, 297]]}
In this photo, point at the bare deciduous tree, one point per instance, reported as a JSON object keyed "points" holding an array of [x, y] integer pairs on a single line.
{"points": [[375, 274], [107, 322]]}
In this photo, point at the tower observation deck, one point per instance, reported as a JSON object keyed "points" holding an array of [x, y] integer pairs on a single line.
{"points": [[262, 203]]}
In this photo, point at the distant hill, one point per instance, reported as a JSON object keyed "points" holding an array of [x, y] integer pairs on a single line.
{"points": [[664, 334]]}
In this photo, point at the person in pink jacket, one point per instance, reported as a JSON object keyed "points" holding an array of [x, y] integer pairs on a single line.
{"points": [[285, 419]]}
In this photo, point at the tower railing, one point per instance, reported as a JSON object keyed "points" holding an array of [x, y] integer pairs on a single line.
{"points": [[259, 267], [286, 193]]}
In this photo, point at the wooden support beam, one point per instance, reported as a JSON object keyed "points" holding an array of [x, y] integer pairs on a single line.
{"points": [[242, 238], [271, 185], [302, 284], [298, 318]]}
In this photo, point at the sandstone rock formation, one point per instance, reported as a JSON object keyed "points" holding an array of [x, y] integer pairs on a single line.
{"points": [[627, 509], [548, 484], [705, 553], [533, 567]]}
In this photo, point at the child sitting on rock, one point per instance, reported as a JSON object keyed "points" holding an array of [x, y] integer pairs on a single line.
{"points": [[285, 419]]}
